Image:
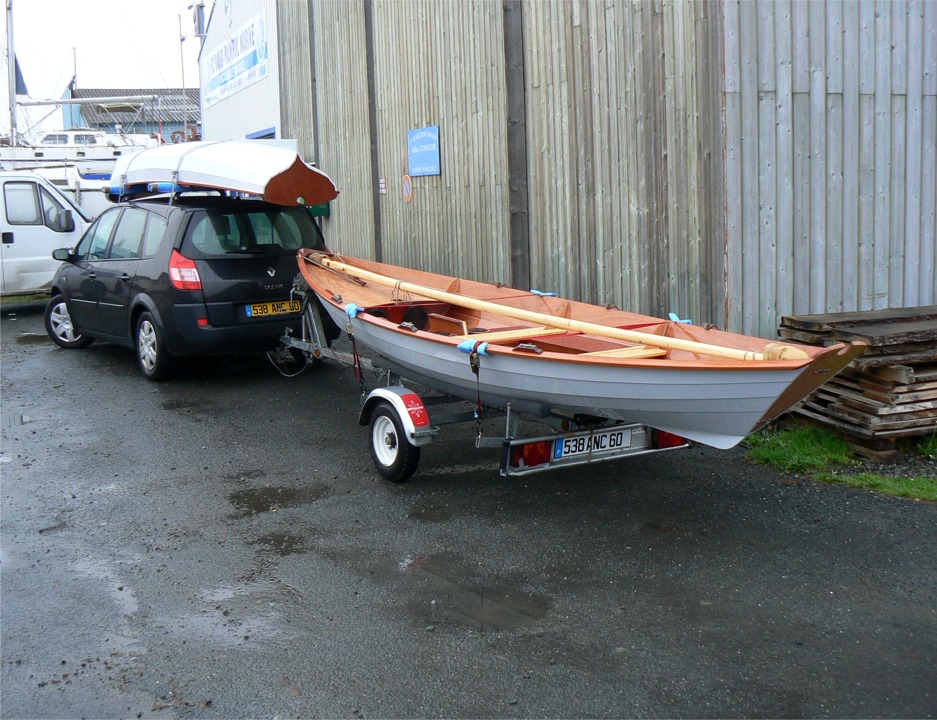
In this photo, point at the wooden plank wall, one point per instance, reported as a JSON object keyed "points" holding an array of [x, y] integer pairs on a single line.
{"points": [[624, 143], [830, 166], [443, 64], [344, 137], [297, 107], [731, 162], [625, 153]]}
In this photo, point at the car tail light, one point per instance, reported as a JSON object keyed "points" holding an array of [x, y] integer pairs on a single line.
{"points": [[182, 272], [663, 439], [531, 454]]}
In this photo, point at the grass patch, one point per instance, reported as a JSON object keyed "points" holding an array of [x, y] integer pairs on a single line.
{"points": [[921, 488], [21, 299], [800, 449], [928, 446], [824, 456]]}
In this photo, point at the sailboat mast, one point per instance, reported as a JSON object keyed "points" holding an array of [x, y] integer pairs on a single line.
{"points": [[11, 67]]}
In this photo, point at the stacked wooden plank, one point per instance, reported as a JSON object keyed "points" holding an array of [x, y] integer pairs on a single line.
{"points": [[887, 394]]}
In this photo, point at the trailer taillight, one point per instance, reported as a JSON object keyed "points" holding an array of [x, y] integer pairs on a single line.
{"points": [[664, 439], [531, 454]]}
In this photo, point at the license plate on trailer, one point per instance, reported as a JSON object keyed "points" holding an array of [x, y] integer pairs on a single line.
{"points": [[603, 441], [280, 307]]}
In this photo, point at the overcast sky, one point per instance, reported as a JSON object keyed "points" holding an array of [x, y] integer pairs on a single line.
{"points": [[117, 44]]}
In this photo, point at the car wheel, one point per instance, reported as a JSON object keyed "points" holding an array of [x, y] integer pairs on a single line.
{"points": [[60, 328], [394, 457], [155, 362]]}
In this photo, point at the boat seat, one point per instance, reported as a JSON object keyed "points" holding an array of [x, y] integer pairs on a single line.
{"points": [[446, 325], [517, 334], [636, 351]]}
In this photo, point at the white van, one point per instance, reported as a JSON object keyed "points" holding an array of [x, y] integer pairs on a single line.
{"points": [[35, 219]]}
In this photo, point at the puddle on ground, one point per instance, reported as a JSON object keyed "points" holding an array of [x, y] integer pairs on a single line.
{"points": [[255, 501], [247, 474], [667, 528], [282, 544], [33, 339], [8, 420], [482, 606], [431, 512], [186, 404]]}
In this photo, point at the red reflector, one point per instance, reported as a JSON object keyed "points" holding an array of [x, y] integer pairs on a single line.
{"points": [[202, 322], [416, 410], [532, 454], [663, 439], [182, 272]]}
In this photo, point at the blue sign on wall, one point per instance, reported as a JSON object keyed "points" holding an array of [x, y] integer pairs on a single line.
{"points": [[423, 151]]}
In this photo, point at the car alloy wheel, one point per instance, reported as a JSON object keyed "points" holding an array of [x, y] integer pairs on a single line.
{"points": [[152, 356], [59, 325]]}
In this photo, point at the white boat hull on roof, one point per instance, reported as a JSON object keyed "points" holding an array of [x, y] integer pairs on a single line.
{"points": [[256, 167]]}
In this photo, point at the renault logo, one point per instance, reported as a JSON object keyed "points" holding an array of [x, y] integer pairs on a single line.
{"points": [[271, 272]]}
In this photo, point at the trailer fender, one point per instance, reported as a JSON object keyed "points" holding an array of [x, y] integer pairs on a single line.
{"points": [[409, 408]]}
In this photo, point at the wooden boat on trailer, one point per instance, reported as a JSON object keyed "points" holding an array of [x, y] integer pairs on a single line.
{"points": [[545, 355]]}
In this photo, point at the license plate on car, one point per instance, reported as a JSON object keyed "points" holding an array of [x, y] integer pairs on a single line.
{"points": [[599, 442], [280, 307]]}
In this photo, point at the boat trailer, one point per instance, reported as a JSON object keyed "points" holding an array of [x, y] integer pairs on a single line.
{"points": [[402, 420]]}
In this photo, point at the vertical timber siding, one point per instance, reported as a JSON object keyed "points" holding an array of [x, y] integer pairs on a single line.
{"points": [[297, 107], [831, 122], [729, 161], [442, 63], [625, 153], [344, 139]]}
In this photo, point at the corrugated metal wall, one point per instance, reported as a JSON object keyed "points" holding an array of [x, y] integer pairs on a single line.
{"points": [[831, 126]]}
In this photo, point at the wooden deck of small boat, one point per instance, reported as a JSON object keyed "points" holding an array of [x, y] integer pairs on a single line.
{"points": [[536, 367], [450, 324]]}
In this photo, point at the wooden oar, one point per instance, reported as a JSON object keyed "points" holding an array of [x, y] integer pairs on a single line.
{"points": [[773, 351]]}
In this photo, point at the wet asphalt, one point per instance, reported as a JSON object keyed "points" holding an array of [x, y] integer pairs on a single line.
{"points": [[220, 546]]}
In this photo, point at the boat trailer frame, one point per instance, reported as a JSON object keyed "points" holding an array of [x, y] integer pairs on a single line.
{"points": [[401, 422]]}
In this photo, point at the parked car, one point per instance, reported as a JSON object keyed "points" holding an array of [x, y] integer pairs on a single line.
{"points": [[182, 276], [35, 219]]}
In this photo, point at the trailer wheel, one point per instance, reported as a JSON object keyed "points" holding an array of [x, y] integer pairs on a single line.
{"points": [[394, 457]]}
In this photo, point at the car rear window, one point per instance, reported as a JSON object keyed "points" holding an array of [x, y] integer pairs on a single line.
{"points": [[277, 230]]}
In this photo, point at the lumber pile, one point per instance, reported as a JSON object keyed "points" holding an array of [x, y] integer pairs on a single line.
{"points": [[888, 393]]}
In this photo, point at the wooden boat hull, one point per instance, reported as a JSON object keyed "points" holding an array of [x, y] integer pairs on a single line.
{"points": [[713, 401]]}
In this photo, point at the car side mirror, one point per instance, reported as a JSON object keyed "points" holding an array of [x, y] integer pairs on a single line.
{"points": [[67, 221], [61, 254]]}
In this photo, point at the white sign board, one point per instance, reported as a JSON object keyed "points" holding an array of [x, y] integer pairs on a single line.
{"points": [[240, 61]]}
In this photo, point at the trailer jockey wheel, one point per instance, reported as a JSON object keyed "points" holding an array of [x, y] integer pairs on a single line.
{"points": [[394, 457]]}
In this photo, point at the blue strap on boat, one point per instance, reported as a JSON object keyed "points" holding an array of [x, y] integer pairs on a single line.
{"points": [[352, 310], [470, 346], [676, 318], [543, 294]]}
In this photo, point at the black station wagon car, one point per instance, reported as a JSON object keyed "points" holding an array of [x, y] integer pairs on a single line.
{"points": [[182, 276]]}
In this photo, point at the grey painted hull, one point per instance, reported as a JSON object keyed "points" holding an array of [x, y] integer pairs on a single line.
{"points": [[716, 407]]}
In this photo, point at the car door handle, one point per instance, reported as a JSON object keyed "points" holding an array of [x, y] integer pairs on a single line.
{"points": [[92, 275], [125, 278]]}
